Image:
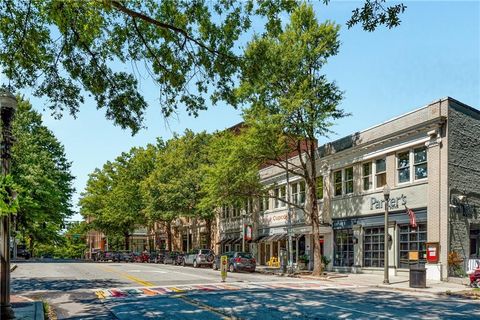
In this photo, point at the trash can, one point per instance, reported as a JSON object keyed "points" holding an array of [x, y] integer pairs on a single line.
{"points": [[418, 276], [283, 260]]}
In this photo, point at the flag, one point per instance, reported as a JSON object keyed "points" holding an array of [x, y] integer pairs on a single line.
{"points": [[411, 215]]}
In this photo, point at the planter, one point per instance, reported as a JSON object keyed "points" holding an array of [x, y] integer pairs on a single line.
{"points": [[302, 265]]}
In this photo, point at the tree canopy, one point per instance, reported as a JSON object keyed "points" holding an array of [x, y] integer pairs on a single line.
{"points": [[64, 49]]}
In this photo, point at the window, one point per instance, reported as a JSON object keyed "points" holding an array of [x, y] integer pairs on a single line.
{"points": [[280, 194], [367, 176], [348, 180], [403, 167], [320, 187], [412, 239], [373, 246], [295, 195], [264, 203], [343, 248], [337, 180], [302, 192], [380, 173], [420, 163]]}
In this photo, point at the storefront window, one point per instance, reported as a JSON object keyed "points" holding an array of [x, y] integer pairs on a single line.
{"points": [[420, 163], [367, 176], [349, 180], [343, 248], [412, 239], [373, 247], [380, 173], [337, 178], [403, 167]]}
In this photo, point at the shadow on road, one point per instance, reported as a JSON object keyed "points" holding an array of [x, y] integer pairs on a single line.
{"points": [[302, 304], [19, 285]]}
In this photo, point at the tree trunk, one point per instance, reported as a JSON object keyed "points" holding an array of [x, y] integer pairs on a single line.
{"points": [[31, 246], [127, 240], [208, 225], [169, 235], [312, 194]]}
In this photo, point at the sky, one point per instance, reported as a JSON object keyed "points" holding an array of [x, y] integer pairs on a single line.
{"points": [[434, 53]]}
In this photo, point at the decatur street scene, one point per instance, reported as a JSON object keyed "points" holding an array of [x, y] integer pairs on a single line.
{"points": [[239, 159]]}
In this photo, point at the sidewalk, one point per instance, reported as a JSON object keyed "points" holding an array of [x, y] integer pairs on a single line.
{"points": [[26, 309], [399, 282]]}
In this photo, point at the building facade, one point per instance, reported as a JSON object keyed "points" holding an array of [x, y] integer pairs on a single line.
{"points": [[430, 159]]}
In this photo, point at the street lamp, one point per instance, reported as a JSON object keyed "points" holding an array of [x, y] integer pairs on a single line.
{"points": [[386, 194], [8, 106]]}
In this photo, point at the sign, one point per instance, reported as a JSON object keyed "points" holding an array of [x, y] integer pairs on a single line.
{"points": [[393, 203], [413, 255], [432, 252], [223, 267], [248, 232]]}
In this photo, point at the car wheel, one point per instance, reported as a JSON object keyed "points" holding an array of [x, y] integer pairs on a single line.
{"points": [[231, 268], [195, 265]]}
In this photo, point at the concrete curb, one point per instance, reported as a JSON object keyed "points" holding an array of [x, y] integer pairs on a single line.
{"points": [[28, 310]]}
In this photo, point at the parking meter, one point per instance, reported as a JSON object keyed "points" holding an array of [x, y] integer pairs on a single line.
{"points": [[223, 267]]}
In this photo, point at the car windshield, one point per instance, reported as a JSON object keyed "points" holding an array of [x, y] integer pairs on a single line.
{"points": [[244, 255]]}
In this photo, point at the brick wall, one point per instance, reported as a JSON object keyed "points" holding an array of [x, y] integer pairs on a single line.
{"points": [[464, 175]]}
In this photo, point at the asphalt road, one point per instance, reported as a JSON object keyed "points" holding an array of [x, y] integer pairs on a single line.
{"points": [[149, 291]]}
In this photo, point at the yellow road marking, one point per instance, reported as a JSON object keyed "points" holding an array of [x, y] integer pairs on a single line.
{"points": [[224, 315], [127, 276]]}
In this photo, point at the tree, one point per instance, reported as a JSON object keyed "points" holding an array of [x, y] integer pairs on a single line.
{"points": [[42, 175], [112, 200], [291, 105], [173, 188], [62, 48]]}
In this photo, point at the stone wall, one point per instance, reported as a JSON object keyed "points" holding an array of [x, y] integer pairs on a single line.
{"points": [[464, 175]]}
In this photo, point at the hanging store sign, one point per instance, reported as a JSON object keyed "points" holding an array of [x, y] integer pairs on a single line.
{"points": [[247, 232]]}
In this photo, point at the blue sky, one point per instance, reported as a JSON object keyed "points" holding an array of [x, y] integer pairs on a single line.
{"points": [[433, 54]]}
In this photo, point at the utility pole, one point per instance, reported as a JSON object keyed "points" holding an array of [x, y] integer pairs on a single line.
{"points": [[8, 106], [289, 222]]}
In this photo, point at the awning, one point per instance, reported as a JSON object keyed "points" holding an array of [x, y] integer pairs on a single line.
{"points": [[259, 238], [223, 241], [237, 240]]}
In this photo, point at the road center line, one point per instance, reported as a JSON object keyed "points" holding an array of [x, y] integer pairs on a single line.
{"points": [[127, 276]]}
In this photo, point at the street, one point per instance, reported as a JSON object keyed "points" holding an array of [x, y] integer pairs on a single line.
{"points": [[146, 291]]}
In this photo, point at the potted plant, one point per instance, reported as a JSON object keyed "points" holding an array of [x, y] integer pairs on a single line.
{"points": [[303, 261]]}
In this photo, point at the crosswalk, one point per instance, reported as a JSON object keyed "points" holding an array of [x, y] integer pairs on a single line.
{"points": [[138, 292]]}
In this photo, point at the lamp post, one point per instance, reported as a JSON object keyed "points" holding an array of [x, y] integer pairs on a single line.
{"points": [[8, 106], [386, 194]]}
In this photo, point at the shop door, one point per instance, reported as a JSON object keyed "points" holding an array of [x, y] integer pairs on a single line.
{"points": [[267, 252]]}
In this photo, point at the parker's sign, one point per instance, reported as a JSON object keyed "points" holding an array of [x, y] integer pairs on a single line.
{"points": [[393, 203]]}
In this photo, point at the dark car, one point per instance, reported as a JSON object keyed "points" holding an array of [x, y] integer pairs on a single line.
{"points": [[237, 261], [161, 256], [179, 258], [171, 257], [123, 256], [22, 252]]}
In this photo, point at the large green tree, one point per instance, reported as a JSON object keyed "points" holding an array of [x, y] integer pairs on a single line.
{"points": [[291, 104], [43, 178], [62, 49], [174, 188], [112, 200]]}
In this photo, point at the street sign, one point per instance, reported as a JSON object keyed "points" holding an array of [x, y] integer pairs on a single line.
{"points": [[223, 267]]}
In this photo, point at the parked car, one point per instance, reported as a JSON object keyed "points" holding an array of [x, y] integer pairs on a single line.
{"points": [[123, 256], [161, 255], [171, 257], [199, 257], [22, 252], [237, 261], [107, 256], [179, 258]]}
